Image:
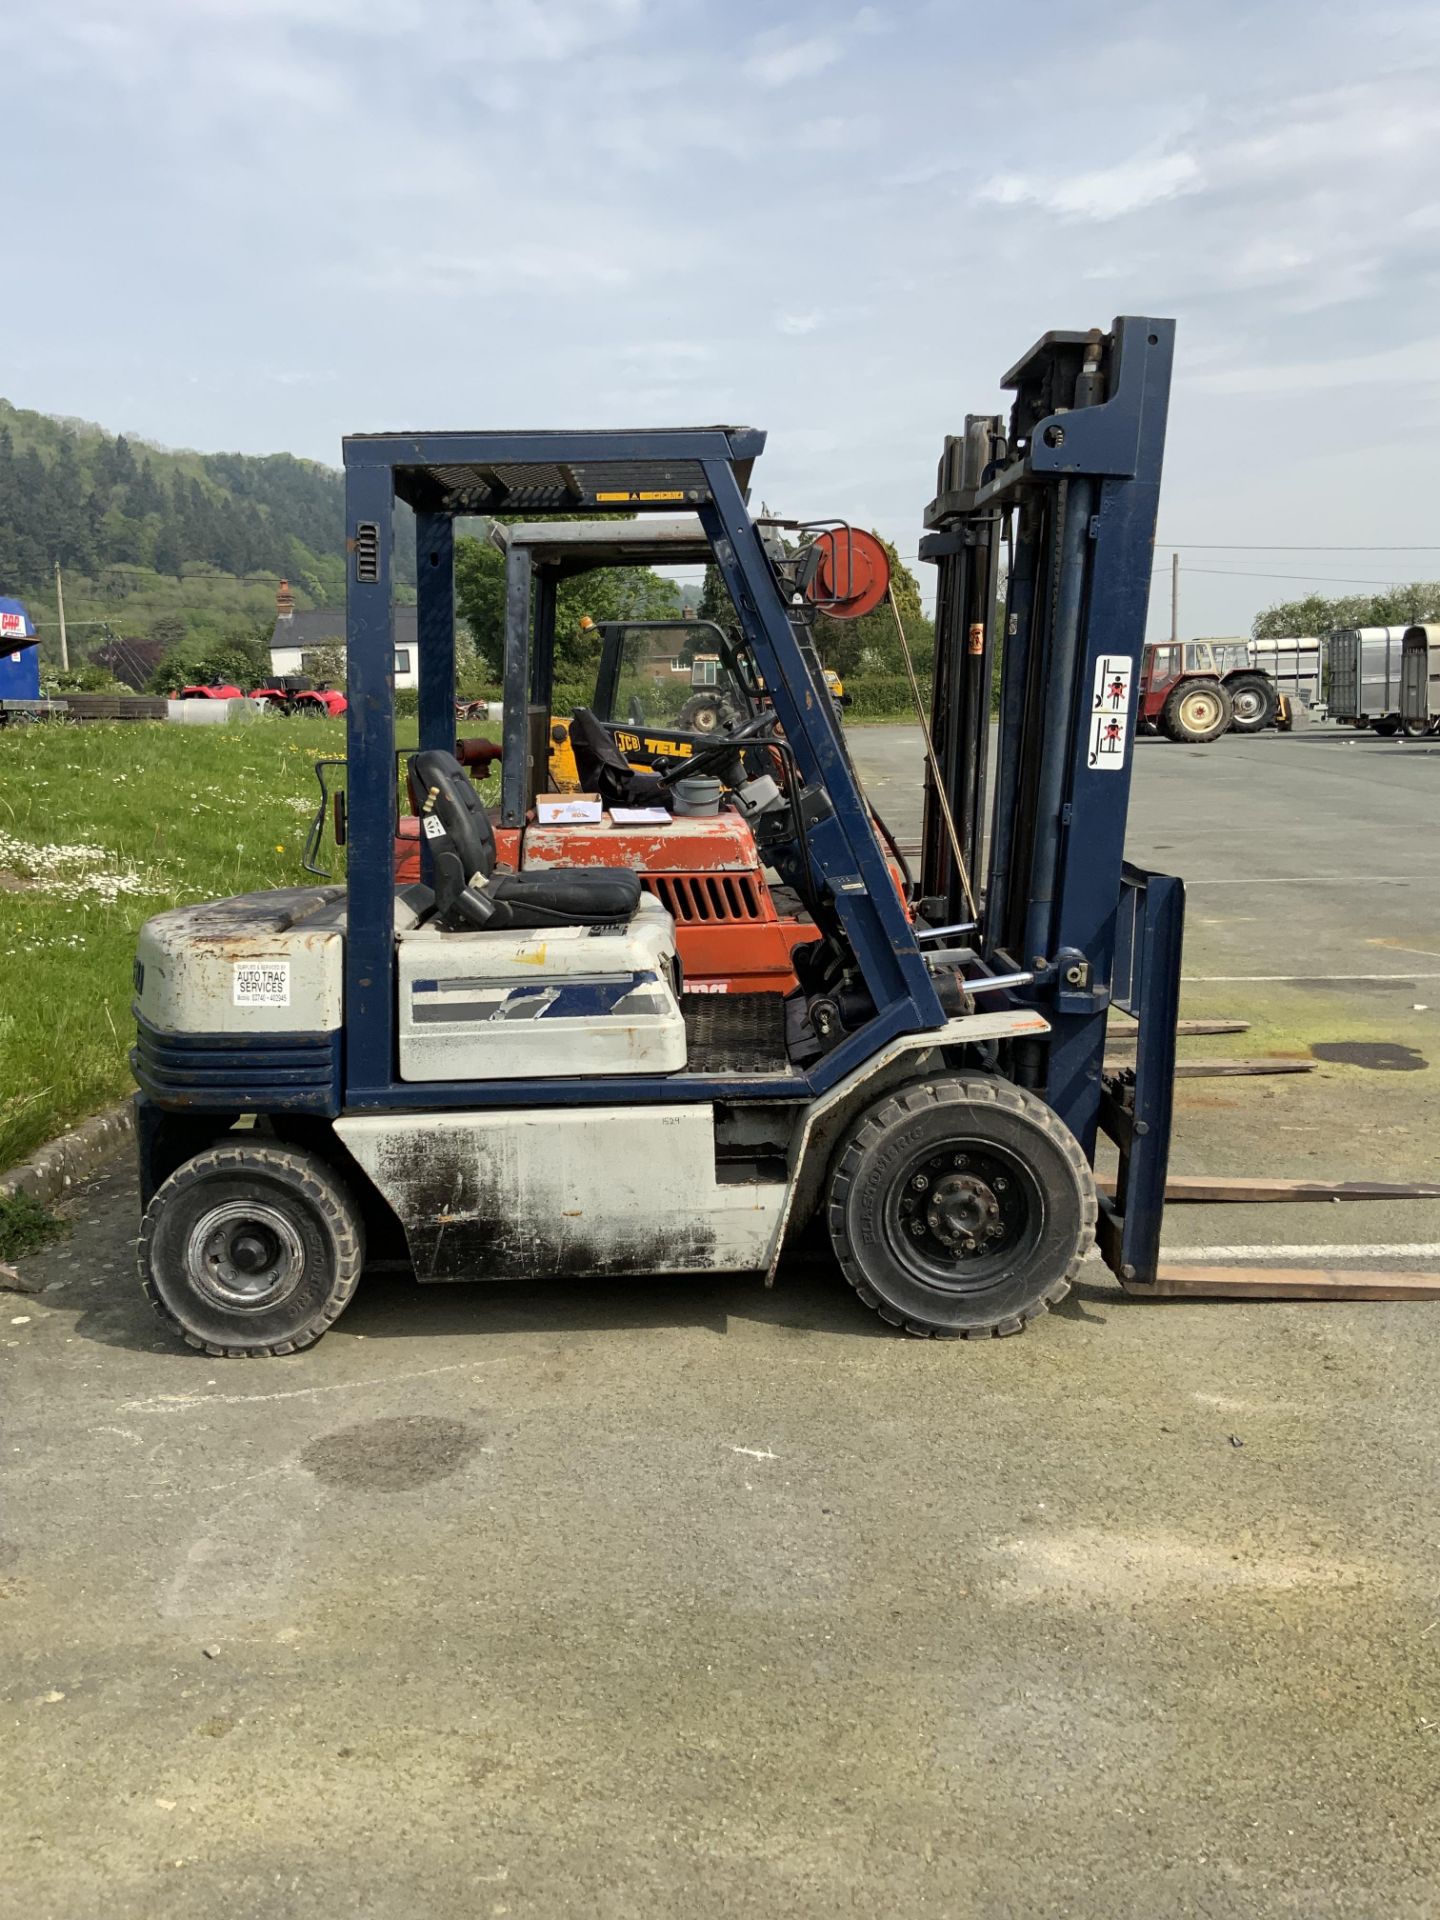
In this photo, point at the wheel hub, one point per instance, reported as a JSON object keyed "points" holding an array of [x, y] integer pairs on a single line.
{"points": [[961, 1211], [245, 1254]]}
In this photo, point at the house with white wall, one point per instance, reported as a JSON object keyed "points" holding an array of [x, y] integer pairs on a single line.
{"points": [[298, 635]]}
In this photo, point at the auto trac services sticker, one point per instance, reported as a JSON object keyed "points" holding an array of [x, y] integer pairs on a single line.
{"points": [[262, 983]]}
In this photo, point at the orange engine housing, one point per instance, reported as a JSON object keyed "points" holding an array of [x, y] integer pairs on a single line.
{"points": [[705, 872]]}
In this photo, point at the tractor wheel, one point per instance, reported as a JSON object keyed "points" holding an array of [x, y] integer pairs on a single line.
{"points": [[251, 1249], [700, 714], [1253, 700], [1196, 711], [1388, 728], [960, 1207]]}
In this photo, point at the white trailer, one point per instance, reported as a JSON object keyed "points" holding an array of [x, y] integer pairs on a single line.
{"points": [[1362, 686], [1420, 681]]}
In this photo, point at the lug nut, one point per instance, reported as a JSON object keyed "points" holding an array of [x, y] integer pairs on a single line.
{"points": [[1001, 1185], [920, 1183]]}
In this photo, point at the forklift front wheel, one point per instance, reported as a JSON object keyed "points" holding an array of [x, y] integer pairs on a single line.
{"points": [[961, 1207], [249, 1250]]}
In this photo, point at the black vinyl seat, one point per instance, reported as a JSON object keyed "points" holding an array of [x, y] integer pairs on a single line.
{"points": [[603, 769], [456, 828]]}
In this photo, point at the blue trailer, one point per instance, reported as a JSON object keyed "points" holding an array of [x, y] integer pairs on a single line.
{"points": [[19, 653]]}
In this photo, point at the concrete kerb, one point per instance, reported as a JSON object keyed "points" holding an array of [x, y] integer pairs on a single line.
{"points": [[72, 1157]]}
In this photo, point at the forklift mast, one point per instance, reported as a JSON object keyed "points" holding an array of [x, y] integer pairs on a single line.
{"points": [[1067, 491]]}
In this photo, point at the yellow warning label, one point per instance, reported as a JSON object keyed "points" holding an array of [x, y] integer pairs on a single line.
{"points": [[672, 493]]}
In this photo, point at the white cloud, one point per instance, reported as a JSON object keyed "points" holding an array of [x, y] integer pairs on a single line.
{"points": [[1105, 194], [529, 263], [797, 323], [1416, 362], [776, 59]]}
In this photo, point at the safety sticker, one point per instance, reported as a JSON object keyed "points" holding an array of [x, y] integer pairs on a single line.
{"points": [[651, 493], [1110, 712], [433, 828], [262, 983]]}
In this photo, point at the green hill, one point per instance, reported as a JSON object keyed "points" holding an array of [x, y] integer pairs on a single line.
{"points": [[154, 542]]}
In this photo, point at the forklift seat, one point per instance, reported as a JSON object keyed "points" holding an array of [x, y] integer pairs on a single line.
{"points": [[603, 769], [455, 825]]}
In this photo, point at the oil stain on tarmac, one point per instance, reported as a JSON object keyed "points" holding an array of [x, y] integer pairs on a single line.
{"points": [[392, 1456], [1380, 1056]]}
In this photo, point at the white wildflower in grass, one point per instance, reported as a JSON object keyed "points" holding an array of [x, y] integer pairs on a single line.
{"points": [[77, 871]]}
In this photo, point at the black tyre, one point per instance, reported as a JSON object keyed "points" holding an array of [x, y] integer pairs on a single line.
{"points": [[1414, 729], [700, 714], [1387, 729], [1197, 711], [960, 1207], [1253, 702], [251, 1249]]}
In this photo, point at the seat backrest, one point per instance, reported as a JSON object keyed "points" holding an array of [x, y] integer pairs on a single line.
{"points": [[603, 769], [461, 840]]}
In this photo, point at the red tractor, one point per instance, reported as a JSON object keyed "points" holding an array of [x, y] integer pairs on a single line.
{"points": [[1187, 693]]}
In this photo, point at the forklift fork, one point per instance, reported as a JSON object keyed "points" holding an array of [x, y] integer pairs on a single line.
{"points": [[1136, 1101]]}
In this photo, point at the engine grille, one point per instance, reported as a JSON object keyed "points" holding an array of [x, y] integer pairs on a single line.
{"points": [[700, 899]]}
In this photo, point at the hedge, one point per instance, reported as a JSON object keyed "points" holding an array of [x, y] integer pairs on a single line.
{"points": [[882, 697], [876, 697]]}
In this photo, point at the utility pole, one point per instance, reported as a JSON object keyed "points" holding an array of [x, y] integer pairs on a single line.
{"points": [[1174, 599], [60, 609]]}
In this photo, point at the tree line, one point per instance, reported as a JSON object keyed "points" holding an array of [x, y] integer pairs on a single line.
{"points": [[1406, 606]]}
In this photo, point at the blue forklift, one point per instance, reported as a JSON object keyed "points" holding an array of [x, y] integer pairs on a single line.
{"points": [[500, 1074]]}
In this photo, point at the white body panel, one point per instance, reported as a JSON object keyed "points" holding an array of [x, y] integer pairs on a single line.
{"points": [[513, 1194], [561, 1001], [259, 963], [256, 963], [530, 1194]]}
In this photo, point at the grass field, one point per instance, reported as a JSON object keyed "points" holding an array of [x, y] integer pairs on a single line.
{"points": [[101, 826]]}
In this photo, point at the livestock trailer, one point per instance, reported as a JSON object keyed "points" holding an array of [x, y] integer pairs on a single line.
{"points": [[1362, 685], [1420, 680], [1296, 664]]}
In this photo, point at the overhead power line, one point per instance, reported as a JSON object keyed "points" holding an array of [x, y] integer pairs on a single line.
{"points": [[1278, 546], [1319, 579]]}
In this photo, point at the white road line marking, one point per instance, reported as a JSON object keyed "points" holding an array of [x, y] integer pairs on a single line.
{"points": [[1376, 1250], [1320, 979], [187, 1403], [1310, 880], [756, 1453]]}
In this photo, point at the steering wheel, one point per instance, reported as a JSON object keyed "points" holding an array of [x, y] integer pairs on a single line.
{"points": [[724, 751]]}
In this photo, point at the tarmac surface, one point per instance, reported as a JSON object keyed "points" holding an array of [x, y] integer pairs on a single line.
{"points": [[689, 1597]]}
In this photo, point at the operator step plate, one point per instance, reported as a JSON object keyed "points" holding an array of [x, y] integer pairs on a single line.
{"points": [[741, 1033]]}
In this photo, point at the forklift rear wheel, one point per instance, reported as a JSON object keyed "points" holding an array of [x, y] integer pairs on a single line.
{"points": [[1252, 697], [961, 1207], [249, 1250], [1197, 711]]}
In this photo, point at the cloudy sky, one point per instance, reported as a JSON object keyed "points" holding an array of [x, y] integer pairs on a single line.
{"points": [[260, 224]]}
